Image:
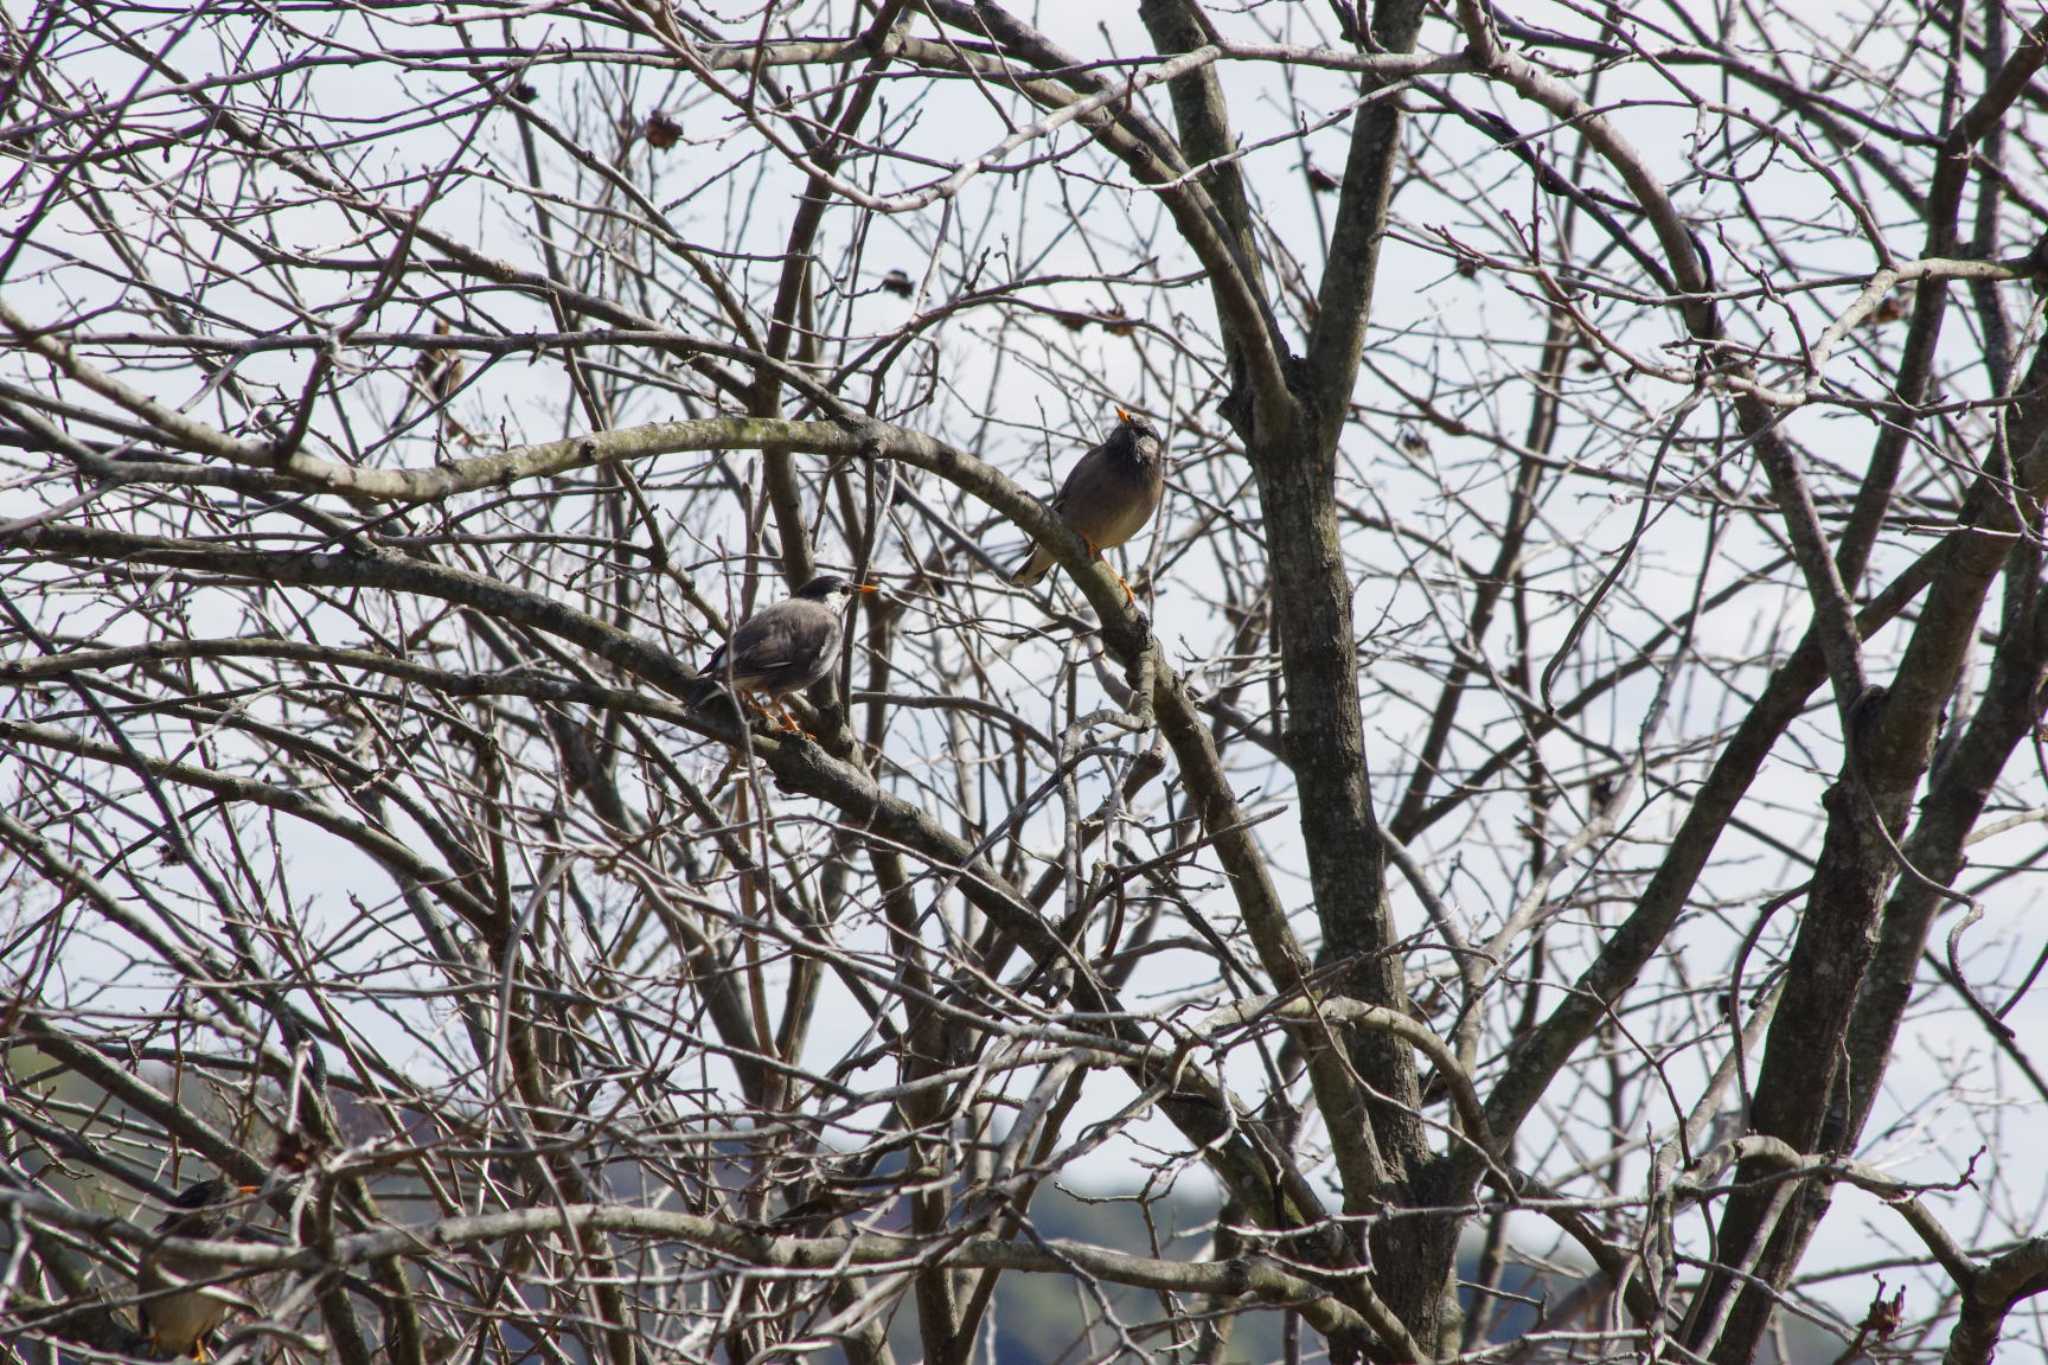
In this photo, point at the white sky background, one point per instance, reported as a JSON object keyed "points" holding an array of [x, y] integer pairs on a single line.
{"points": [[1029, 422]]}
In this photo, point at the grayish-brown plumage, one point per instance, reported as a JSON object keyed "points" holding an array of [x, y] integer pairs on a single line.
{"points": [[1109, 494], [175, 1318], [785, 648]]}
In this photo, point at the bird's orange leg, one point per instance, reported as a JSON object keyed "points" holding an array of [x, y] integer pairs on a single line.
{"points": [[792, 726], [1130, 598], [781, 717]]}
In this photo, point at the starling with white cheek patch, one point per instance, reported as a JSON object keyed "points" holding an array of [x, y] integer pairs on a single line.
{"points": [[1109, 495], [785, 648]]}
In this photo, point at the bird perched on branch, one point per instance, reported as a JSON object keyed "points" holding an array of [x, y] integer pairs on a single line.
{"points": [[787, 647], [436, 377], [1108, 496], [179, 1310]]}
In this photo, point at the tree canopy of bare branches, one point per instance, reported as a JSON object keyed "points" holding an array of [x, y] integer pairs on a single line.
{"points": [[1545, 849]]}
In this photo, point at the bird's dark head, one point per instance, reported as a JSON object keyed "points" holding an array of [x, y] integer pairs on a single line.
{"points": [[831, 589], [201, 1194], [1135, 435], [204, 1194]]}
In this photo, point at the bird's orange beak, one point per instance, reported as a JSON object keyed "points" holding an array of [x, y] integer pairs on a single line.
{"points": [[867, 587], [1124, 414]]}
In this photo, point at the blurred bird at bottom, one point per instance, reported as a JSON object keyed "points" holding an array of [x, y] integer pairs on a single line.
{"points": [[178, 1319]]}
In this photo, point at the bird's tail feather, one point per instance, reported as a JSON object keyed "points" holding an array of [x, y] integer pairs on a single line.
{"points": [[1033, 568]]}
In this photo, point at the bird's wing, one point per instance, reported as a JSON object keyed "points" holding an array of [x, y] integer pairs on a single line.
{"points": [[768, 642], [797, 639], [1070, 486], [765, 642], [1037, 559]]}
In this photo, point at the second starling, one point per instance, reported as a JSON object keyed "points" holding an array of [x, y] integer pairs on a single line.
{"points": [[179, 1310], [1109, 495]]}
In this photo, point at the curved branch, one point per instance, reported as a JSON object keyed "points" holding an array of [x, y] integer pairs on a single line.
{"points": [[2019, 1274]]}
